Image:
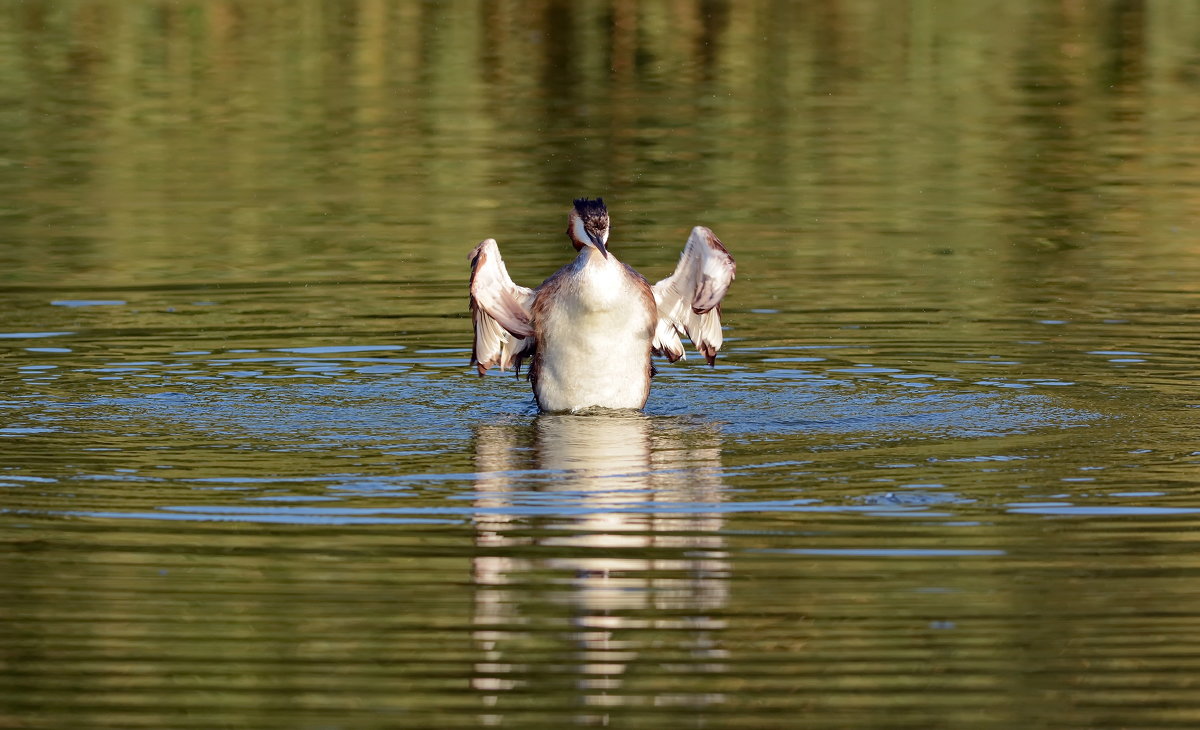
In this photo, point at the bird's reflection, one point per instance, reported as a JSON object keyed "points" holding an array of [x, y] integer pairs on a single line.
{"points": [[599, 517]]}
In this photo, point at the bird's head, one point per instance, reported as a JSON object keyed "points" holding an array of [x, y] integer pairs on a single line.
{"points": [[587, 225]]}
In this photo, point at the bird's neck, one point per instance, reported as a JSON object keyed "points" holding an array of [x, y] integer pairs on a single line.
{"points": [[599, 281], [591, 258]]}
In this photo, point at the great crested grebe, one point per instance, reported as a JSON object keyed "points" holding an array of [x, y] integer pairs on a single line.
{"points": [[592, 326]]}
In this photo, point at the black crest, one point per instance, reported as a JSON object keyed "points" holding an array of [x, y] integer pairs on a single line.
{"points": [[587, 207], [594, 215]]}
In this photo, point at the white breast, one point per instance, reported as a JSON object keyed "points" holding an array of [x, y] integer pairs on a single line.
{"points": [[594, 338]]}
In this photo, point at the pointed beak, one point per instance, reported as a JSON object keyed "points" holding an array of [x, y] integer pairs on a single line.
{"points": [[599, 244]]}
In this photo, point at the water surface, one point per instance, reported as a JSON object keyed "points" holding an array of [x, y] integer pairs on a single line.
{"points": [[943, 475]]}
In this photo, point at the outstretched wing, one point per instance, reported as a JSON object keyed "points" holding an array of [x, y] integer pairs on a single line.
{"points": [[689, 301], [500, 310]]}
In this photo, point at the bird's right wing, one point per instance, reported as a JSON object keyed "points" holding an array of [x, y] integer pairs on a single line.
{"points": [[500, 310], [689, 300]]}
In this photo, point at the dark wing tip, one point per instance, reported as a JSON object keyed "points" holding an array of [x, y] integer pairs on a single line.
{"points": [[671, 355], [716, 242], [477, 257], [711, 238]]}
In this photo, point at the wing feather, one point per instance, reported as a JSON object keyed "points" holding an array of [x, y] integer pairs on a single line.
{"points": [[689, 300], [500, 311]]}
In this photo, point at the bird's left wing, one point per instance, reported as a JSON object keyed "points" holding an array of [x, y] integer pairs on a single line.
{"points": [[500, 310], [689, 301]]}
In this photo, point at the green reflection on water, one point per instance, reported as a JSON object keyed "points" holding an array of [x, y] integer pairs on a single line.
{"points": [[945, 479]]}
